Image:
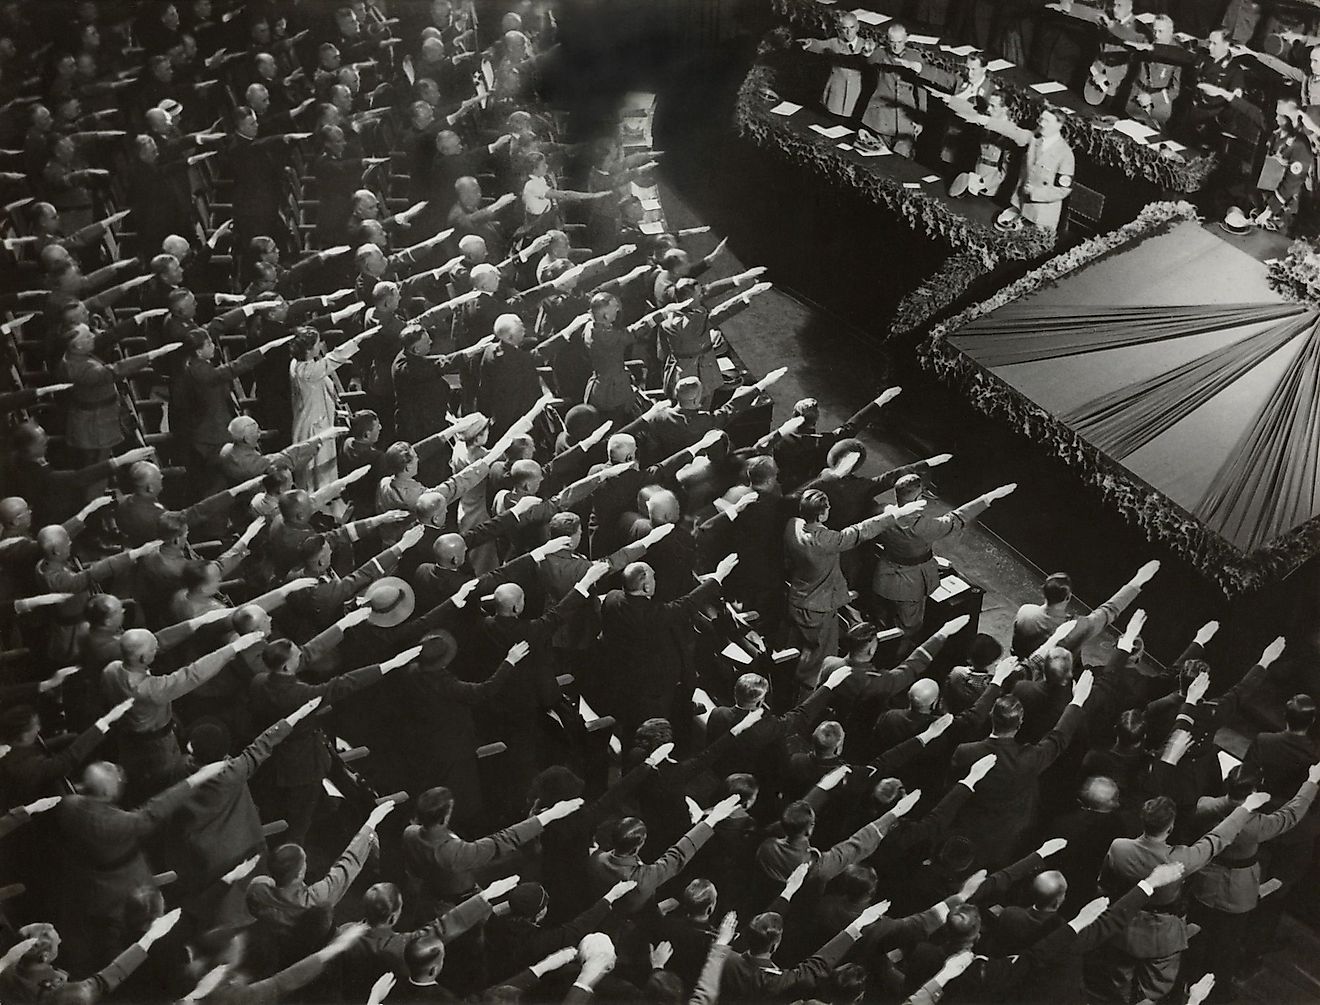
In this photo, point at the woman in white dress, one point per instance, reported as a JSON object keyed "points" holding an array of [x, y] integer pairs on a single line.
{"points": [[315, 396]]}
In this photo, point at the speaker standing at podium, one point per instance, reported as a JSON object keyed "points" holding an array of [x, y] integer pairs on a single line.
{"points": [[907, 572]]}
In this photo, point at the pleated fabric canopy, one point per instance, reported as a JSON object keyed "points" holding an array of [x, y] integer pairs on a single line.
{"points": [[1214, 402]]}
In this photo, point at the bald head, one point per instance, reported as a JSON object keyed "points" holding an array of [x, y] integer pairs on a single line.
{"points": [[1048, 891], [251, 618], [147, 479], [450, 551], [54, 541], [102, 780], [137, 647], [15, 513], [509, 600], [639, 579], [923, 694]]}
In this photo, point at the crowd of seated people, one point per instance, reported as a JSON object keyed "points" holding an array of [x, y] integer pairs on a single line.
{"points": [[1240, 88], [408, 597]]}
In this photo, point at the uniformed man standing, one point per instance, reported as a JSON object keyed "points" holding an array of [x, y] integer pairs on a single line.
{"points": [[1158, 79], [1047, 171], [1148, 951], [1110, 67], [1219, 80], [895, 100], [907, 572], [844, 85], [1287, 167]]}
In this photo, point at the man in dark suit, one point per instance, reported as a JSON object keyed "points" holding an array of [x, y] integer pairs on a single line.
{"points": [[653, 675], [1051, 970], [1005, 804], [301, 762], [520, 719], [257, 166], [1285, 758], [443, 864], [622, 862]]}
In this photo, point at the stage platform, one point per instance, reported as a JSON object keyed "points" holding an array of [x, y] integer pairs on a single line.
{"points": [[1160, 363]]}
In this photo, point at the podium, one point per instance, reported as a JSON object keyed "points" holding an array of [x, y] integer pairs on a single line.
{"points": [[956, 595]]}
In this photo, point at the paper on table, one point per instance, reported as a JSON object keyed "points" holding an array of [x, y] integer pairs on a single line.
{"points": [[912, 184], [1227, 762], [950, 586], [833, 132], [931, 177], [996, 65], [870, 16], [959, 50], [651, 227], [881, 152], [1049, 87], [1173, 145], [785, 108], [844, 146], [737, 654], [1134, 129], [649, 204], [827, 3], [924, 39]]}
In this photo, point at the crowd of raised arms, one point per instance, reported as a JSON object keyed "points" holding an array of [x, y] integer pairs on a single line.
{"points": [[408, 597]]}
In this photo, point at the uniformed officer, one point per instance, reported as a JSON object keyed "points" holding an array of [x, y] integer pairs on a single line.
{"points": [[1110, 67], [1219, 80], [907, 572], [994, 154], [1288, 166], [1158, 80], [894, 101], [844, 85], [1047, 170]]}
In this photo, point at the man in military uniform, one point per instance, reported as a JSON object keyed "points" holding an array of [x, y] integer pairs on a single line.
{"points": [[1158, 80], [1309, 80], [1047, 170], [895, 99], [1110, 66], [1219, 80], [1288, 165], [994, 151], [844, 84], [907, 572], [1148, 951]]}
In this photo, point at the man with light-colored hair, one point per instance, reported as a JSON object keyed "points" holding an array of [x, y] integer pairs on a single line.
{"points": [[241, 458], [507, 382]]}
